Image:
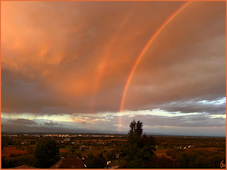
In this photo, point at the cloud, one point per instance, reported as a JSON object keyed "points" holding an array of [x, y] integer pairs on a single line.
{"points": [[200, 75], [154, 121], [189, 106], [45, 73], [22, 122], [51, 123], [75, 57]]}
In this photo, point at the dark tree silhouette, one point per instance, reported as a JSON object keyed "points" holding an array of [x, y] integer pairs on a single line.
{"points": [[133, 127], [139, 148], [139, 129], [136, 128], [46, 153]]}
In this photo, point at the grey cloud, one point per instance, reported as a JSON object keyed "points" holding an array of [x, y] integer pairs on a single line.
{"points": [[152, 124], [194, 106], [27, 95], [51, 123], [177, 121], [22, 122], [19, 128]]}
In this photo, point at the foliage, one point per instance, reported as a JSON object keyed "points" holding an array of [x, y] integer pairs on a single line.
{"points": [[95, 161], [5, 142], [73, 149], [200, 152], [5, 163], [63, 154], [161, 162], [139, 148], [136, 128], [199, 159], [17, 161], [173, 153], [46, 153]]}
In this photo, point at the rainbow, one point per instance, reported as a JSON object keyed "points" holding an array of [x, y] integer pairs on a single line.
{"points": [[142, 54], [107, 54]]}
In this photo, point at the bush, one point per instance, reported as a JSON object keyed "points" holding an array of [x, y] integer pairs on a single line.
{"points": [[46, 153]]}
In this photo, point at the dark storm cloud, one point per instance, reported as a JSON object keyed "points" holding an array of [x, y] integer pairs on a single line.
{"points": [[177, 121], [195, 106], [27, 126], [22, 122], [18, 128], [75, 57], [18, 92]]}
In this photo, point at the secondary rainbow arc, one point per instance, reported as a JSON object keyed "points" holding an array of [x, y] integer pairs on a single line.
{"points": [[107, 54]]}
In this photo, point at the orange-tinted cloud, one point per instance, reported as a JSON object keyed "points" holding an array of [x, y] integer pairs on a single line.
{"points": [[75, 57]]}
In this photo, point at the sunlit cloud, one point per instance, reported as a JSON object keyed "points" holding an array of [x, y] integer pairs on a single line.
{"points": [[65, 66], [216, 102]]}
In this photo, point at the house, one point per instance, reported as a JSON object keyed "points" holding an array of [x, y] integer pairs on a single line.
{"points": [[24, 167], [108, 162], [117, 155], [83, 147], [69, 163], [113, 165], [222, 164]]}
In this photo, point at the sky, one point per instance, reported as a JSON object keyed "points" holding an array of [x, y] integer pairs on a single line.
{"points": [[66, 66]]}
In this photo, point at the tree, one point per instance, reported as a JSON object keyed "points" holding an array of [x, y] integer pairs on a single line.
{"points": [[73, 149], [5, 142], [139, 148], [198, 159], [136, 128], [95, 161], [46, 153]]}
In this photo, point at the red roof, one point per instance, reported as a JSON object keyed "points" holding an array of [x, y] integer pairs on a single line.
{"points": [[69, 163], [24, 167]]}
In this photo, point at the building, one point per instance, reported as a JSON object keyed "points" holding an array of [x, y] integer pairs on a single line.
{"points": [[24, 167], [222, 164], [69, 163]]}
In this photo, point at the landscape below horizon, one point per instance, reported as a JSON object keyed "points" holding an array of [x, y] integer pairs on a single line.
{"points": [[133, 150], [94, 67]]}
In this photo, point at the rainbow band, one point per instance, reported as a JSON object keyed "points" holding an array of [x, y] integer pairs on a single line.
{"points": [[107, 54], [142, 53]]}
